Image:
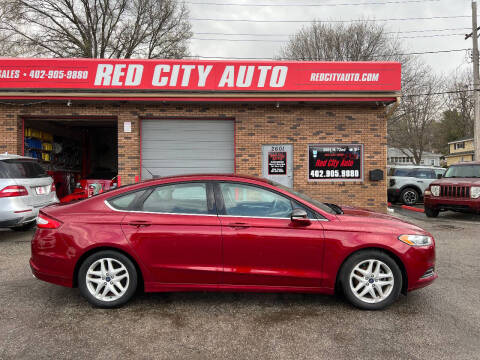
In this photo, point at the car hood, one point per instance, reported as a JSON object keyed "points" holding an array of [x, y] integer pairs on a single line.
{"points": [[364, 219], [457, 181]]}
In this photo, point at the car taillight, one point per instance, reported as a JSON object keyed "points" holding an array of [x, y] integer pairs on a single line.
{"points": [[13, 190], [45, 222], [53, 188]]}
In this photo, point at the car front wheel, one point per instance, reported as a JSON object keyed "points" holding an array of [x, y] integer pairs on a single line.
{"points": [[107, 279], [371, 280], [431, 213]]}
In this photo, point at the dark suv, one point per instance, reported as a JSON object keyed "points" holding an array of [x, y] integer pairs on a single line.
{"points": [[458, 190]]}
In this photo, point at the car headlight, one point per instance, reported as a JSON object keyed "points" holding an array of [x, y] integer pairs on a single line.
{"points": [[435, 190], [416, 240], [475, 192]]}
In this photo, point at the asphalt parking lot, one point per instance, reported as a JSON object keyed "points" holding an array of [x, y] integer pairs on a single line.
{"points": [[43, 321]]}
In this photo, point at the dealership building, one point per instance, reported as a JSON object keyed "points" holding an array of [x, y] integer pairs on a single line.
{"points": [[318, 127]]}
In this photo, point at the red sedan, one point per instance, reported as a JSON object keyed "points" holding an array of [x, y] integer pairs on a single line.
{"points": [[225, 232]]}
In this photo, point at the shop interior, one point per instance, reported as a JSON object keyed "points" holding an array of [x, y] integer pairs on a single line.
{"points": [[73, 150]]}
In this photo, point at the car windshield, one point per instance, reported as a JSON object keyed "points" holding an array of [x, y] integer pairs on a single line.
{"points": [[21, 169], [463, 171], [320, 205]]}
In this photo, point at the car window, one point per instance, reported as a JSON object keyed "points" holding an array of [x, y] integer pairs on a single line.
{"points": [[124, 202], [21, 169], [423, 174], [402, 172], [253, 201], [460, 171], [185, 198]]}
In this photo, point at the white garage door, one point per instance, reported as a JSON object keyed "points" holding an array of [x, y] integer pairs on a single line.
{"points": [[174, 147]]}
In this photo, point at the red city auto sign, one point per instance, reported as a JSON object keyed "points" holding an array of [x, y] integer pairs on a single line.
{"points": [[198, 76]]}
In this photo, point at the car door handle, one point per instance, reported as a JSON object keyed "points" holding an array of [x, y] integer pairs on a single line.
{"points": [[139, 223], [239, 225], [420, 181]]}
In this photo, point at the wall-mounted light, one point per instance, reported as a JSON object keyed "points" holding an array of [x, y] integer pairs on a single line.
{"points": [[69, 103], [277, 105]]}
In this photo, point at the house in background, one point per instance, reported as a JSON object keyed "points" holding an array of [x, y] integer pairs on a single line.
{"points": [[460, 151], [398, 157]]}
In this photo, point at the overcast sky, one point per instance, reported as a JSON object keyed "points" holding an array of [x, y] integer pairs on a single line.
{"points": [[304, 11]]}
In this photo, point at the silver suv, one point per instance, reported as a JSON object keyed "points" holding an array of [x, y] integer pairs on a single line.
{"points": [[24, 189], [408, 183]]}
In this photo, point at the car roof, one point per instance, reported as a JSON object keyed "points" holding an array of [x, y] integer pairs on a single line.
{"points": [[467, 163], [7, 156], [415, 166], [208, 177]]}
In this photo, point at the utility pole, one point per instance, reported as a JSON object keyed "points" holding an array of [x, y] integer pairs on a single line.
{"points": [[476, 82]]}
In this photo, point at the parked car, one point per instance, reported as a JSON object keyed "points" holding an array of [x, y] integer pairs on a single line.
{"points": [[457, 190], [24, 189], [225, 232], [408, 183]]}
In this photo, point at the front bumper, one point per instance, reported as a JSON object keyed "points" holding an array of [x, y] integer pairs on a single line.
{"points": [[393, 194], [449, 203], [420, 266]]}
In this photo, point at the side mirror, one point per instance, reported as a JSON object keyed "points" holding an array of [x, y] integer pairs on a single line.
{"points": [[300, 215], [439, 176]]}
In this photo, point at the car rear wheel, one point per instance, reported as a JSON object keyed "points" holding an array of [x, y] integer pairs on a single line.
{"points": [[409, 196], [371, 280], [431, 213], [107, 279]]}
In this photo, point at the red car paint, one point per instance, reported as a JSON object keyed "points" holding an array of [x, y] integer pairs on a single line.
{"points": [[210, 252]]}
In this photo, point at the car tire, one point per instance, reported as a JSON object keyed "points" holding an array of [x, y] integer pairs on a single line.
{"points": [[431, 213], [107, 279], [409, 196], [24, 227], [371, 288]]}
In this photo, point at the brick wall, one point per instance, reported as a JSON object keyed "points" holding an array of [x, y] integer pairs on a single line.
{"points": [[255, 124]]}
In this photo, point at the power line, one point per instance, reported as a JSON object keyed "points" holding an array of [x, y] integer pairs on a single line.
{"points": [[330, 21], [441, 93], [286, 40], [388, 32], [311, 5], [266, 58]]}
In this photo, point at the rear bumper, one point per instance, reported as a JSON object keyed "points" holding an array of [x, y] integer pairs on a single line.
{"points": [[52, 258], [50, 277], [14, 212], [448, 203]]}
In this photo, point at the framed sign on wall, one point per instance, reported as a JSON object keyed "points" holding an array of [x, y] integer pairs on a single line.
{"points": [[335, 162]]}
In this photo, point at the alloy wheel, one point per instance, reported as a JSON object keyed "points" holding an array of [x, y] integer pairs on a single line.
{"points": [[371, 281], [107, 279], [410, 197]]}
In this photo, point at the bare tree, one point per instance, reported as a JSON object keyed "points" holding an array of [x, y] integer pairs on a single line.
{"points": [[359, 41], [409, 125], [457, 119], [410, 128], [8, 43], [103, 28]]}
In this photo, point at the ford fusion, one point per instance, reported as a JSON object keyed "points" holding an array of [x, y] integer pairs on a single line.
{"points": [[227, 233]]}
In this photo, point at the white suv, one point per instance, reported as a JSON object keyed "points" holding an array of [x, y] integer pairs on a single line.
{"points": [[24, 189], [408, 183]]}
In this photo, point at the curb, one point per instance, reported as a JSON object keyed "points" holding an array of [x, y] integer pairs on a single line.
{"points": [[411, 208]]}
